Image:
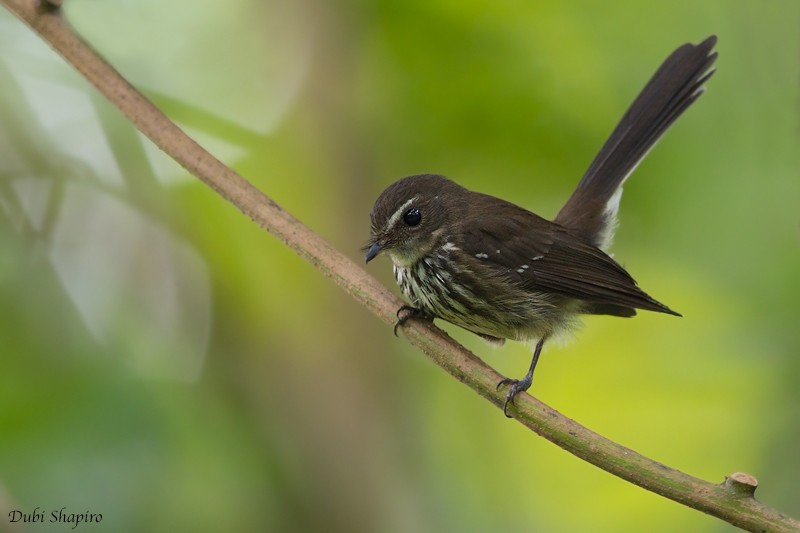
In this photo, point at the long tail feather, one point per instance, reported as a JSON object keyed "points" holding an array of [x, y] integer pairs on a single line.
{"points": [[591, 210]]}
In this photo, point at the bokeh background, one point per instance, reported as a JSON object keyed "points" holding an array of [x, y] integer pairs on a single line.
{"points": [[166, 363]]}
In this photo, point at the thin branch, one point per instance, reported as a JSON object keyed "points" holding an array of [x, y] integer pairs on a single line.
{"points": [[732, 500]]}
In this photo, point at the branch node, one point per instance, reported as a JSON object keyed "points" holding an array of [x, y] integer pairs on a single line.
{"points": [[741, 484]]}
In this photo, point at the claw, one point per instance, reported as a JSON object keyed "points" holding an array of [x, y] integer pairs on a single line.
{"points": [[504, 381], [509, 398], [520, 385], [517, 386], [407, 312]]}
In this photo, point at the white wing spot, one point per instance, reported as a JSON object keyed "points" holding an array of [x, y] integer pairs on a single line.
{"points": [[525, 267], [449, 246], [497, 251], [521, 270], [482, 256], [537, 258]]}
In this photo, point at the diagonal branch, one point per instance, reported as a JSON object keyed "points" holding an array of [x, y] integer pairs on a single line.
{"points": [[731, 500]]}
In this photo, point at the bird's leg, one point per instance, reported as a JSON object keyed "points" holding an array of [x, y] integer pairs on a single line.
{"points": [[521, 385], [406, 312]]}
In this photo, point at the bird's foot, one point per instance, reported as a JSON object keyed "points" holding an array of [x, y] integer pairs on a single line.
{"points": [[406, 312], [517, 386]]}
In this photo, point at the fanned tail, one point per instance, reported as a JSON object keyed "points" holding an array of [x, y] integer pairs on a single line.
{"points": [[591, 210]]}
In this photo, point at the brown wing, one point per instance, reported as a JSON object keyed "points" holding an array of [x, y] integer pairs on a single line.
{"points": [[543, 256]]}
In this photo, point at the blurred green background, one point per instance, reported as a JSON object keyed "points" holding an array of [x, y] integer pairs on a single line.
{"points": [[168, 364]]}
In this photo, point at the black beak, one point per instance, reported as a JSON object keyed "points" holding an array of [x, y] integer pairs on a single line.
{"points": [[374, 250]]}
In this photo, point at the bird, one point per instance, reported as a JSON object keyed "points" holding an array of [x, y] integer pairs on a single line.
{"points": [[502, 272]]}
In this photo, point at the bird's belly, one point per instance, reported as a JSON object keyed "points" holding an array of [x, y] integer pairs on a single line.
{"points": [[489, 308]]}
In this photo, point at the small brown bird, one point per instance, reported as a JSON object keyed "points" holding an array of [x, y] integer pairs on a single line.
{"points": [[502, 272]]}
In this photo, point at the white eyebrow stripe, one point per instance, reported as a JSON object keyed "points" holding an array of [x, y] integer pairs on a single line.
{"points": [[396, 215]]}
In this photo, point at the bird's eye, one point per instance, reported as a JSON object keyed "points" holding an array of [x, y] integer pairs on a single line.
{"points": [[412, 217]]}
